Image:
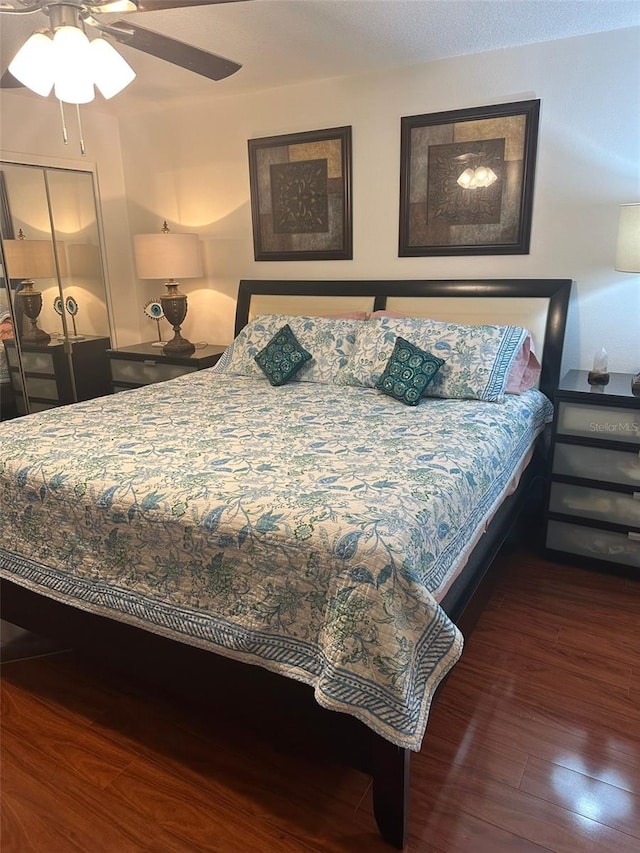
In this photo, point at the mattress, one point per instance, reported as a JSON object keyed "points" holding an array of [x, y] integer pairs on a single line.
{"points": [[309, 528]]}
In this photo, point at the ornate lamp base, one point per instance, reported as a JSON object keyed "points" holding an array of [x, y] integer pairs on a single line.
{"points": [[35, 335], [174, 305], [31, 301], [178, 345]]}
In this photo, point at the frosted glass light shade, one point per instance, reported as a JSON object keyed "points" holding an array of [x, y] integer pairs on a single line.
{"points": [[167, 255], [33, 64], [72, 62], [116, 6], [483, 176], [111, 72], [628, 245], [28, 259]]}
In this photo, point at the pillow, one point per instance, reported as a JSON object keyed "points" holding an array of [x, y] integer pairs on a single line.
{"points": [[526, 370], [385, 313], [329, 339], [408, 372], [348, 315], [6, 331], [282, 357], [478, 358], [6, 328]]}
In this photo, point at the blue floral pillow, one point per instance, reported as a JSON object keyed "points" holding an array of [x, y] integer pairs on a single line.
{"points": [[408, 372], [478, 358], [330, 339], [282, 357]]}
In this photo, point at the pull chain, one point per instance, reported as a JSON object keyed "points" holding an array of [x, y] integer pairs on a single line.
{"points": [[65, 135], [82, 148]]}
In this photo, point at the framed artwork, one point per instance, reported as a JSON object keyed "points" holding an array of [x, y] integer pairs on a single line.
{"points": [[466, 180], [301, 196]]}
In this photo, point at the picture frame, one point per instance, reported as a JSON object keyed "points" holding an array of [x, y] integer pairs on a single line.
{"points": [[467, 179], [301, 196]]}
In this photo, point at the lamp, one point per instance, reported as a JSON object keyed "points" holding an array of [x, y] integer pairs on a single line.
{"points": [[69, 62], [170, 256], [628, 253], [29, 259]]}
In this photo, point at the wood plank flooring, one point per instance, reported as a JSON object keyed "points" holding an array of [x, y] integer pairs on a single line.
{"points": [[532, 745]]}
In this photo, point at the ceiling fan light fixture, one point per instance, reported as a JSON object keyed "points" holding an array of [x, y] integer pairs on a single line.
{"points": [[111, 72], [72, 63], [116, 6], [33, 64]]}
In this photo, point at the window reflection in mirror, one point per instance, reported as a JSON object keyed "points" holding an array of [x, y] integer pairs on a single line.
{"points": [[54, 287]]}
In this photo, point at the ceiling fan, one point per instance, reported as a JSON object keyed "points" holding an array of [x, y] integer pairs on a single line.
{"points": [[68, 18]]}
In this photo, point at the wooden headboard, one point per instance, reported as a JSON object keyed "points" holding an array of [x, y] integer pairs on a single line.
{"points": [[539, 305]]}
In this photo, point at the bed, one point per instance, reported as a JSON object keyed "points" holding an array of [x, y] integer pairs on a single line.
{"points": [[318, 530]]}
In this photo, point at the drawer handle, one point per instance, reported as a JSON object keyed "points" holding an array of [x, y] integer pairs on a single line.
{"points": [[635, 537], [150, 362]]}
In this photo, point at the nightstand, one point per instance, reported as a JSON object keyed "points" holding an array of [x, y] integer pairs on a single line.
{"points": [[143, 364], [593, 494], [59, 372]]}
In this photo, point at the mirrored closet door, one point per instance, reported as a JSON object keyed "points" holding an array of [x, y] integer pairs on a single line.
{"points": [[54, 318]]}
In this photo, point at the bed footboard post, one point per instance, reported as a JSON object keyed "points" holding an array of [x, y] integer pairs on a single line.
{"points": [[391, 791]]}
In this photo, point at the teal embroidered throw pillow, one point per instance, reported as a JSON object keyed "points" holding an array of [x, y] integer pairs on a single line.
{"points": [[282, 357], [408, 372]]}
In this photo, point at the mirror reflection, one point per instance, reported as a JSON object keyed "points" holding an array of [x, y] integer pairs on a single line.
{"points": [[54, 319]]}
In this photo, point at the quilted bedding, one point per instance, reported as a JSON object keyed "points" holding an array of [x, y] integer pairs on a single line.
{"points": [[307, 528]]}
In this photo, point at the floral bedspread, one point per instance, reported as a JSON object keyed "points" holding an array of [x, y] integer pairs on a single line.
{"points": [[305, 528]]}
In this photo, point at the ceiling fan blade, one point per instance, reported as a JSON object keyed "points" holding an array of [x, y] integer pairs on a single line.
{"points": [[185, 55], [160, 5]]}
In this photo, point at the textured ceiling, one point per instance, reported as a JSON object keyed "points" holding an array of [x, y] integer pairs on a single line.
{"points": [[280, 42]]}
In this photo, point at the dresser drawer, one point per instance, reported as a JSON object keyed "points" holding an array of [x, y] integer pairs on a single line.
{"points": [[12, 356], [597, 544], [597, 463], [605, 423], [146, 372], [45, 388], [38, 362], [603, 505], [41, 407]]}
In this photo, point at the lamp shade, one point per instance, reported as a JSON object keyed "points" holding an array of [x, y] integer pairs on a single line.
{"points": [[167, 255], [29, 258], [72, 62], [33, 64], [111, 72], [628, 245], [84, 260]]}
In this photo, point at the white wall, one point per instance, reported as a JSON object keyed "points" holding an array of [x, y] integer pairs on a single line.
{"points": [[189, 165], [31, 132]]}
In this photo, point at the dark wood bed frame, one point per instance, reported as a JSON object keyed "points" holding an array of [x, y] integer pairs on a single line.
{"points": [[8, 408], [183, 666]]}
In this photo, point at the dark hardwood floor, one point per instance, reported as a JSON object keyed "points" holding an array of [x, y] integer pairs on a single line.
{"points": [[532, 745]]}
